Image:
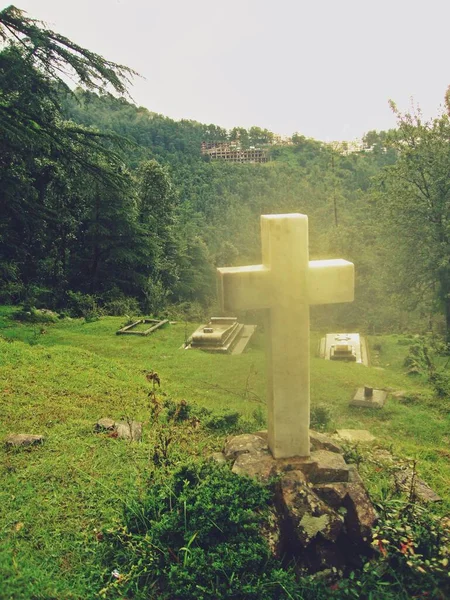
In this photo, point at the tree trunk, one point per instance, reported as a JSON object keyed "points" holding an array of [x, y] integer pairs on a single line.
{"points": [[447, 320]]}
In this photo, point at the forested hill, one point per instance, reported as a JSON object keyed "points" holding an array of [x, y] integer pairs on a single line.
{"points": [[218, 204], [73, 239]]}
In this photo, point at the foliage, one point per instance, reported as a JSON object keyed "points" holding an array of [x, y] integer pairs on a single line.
{"points": [[414, 547], [119, 305], [30, 314], [82, 305], [415, 203], [195, 536], [320, 416], [422, 358]]}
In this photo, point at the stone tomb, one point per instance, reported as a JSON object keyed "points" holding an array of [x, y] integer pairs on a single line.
{"points": [[224, 335], [348, 347]]}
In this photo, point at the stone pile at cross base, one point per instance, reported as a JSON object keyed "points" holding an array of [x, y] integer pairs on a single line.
{"points": [[323, 515]]}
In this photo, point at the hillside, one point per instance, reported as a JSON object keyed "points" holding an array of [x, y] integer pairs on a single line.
{"points": [[58, 497]]}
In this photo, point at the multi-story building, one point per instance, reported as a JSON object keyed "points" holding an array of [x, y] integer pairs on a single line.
{"points": [[232, 152]]}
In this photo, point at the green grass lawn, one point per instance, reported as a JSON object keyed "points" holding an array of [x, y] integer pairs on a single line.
{"points": [[59, 379]]}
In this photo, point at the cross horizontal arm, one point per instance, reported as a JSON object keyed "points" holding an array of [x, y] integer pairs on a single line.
{"points": [[244, 288], [330, 281]]}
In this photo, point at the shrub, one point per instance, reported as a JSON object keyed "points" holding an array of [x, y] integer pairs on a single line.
{"points": [[30, 314], [82, 305], [320, 416], [414, 547], [122, 306], [188, 311], [225, 422], [196, 536]]}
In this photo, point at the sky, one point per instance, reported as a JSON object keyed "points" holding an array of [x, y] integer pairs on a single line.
{"points": [[325, 69]]}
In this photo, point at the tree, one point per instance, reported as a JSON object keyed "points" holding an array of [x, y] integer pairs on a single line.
{"points": [[416, 205], [33, 64], [45, 159]]}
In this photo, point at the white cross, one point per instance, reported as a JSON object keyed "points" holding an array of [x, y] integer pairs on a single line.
{"points": [[286, 283]]}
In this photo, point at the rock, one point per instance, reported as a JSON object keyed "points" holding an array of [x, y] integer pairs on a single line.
{"points": [[271, 530], [129, 431], [382, 455], [245, 443], [16, 440], [104, 425], [355, 435], [360, 516], [354, 476], [332, 494], [320, 441], [219, 457], [399, 394], [305, 514], [325, 466], [422, 491], [260, 465], [323, 515]]}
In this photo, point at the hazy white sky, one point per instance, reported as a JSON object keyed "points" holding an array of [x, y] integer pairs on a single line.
{"points": [[323, 68]]}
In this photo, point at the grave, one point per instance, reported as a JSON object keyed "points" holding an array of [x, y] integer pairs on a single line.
{"points": [[367, 397], [323, 514], [131, 329], [285, 285], [348, 347], [224, 335]]}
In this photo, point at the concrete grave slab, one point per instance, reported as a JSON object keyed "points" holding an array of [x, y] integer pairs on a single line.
{"points": [[406, 480], [367, 397]]}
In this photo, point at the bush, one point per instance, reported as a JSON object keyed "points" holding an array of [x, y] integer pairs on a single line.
{"points": [[188, 311], [224, 422], [320, 416], [83, 305], [11, 292], [121, 306], [30, 314], [196, 536], [414, 547]]}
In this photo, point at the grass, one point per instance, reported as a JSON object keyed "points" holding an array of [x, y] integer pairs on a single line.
{"points": [[59, 379]]}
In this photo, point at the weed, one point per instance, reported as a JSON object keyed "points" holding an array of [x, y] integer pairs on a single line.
{"points": [[160, 456]]}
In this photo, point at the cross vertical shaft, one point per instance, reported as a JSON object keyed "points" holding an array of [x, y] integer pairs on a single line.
{"points": [[285, 250]]}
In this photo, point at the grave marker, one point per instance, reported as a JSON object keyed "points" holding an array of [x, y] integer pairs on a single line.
{"points": [[285, 284]]}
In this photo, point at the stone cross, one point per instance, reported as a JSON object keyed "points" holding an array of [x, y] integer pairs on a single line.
{"points": [[286, 284]]}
